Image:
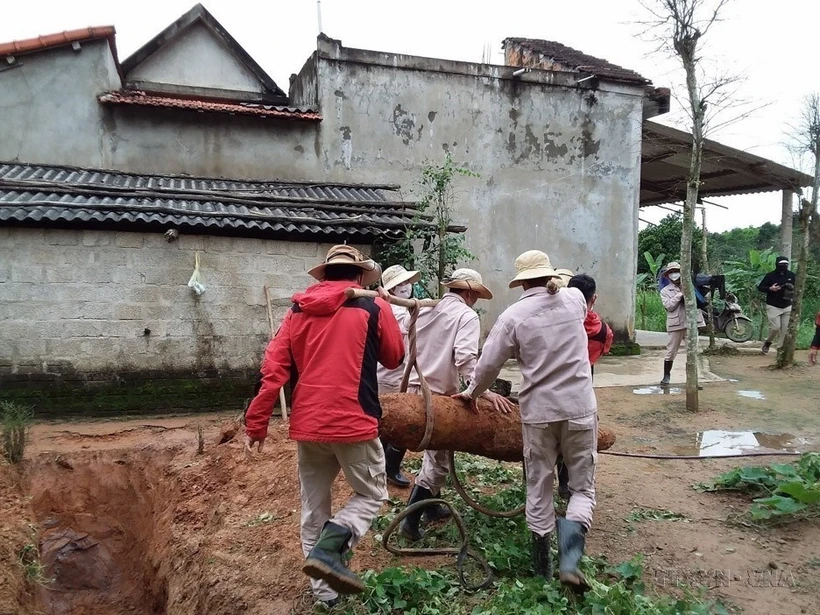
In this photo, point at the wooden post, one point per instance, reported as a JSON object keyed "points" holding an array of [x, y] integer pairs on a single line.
{"points": [[282, 401], [786, 220]]}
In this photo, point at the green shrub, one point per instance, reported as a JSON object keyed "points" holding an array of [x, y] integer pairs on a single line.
{"points": [[780, 491]]}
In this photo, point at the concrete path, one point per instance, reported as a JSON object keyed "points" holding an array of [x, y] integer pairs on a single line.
{"points": [[656, 340], [643, 370]]}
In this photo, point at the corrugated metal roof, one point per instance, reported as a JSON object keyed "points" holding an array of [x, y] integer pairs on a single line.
{"points": [[40, 194], [725, 171]]}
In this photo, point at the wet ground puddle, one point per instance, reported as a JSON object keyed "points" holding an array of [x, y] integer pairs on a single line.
{"points": [[717, 442]]}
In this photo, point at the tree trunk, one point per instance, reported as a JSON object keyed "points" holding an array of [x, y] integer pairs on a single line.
{"points": [[488, 433], [785, 356], [692, 186], [704, 257], [786, 221]]}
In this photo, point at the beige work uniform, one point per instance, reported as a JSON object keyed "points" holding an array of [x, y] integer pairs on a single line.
{"points": [[447, 349], [778, 323], [319, 464], [672, 299], [390, 379], [545, 334]]}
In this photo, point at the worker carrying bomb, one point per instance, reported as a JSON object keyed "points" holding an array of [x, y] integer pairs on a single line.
{"points": [[328, 347], [447, 338], [397, 281], [544, 331]]}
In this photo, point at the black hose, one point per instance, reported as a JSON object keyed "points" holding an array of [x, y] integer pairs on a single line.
{"points": [[696, 457]]}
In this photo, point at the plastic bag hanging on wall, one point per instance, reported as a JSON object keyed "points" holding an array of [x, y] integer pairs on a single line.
{"points": [[194, 282]]}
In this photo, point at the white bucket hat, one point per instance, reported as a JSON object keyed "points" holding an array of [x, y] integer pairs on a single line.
{"points": [[348, 255], [532, 265], [468, 279], [397, 275]]}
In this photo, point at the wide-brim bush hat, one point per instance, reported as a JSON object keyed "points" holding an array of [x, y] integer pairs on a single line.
{"points": [[398, 275], [468, 279], [532, 265], [348, 255]]}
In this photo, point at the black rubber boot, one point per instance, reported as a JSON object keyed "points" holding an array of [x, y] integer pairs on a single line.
{"points": [[326, 561], [563, 479], [667, 373], [541, 560], [409, 527], [571, 538], [766, 346], [436, 512], [393, 457]]}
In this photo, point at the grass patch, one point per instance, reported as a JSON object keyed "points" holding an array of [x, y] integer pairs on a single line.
{"points": [[15, 421], [653, 514], [780, 491], [29, 559]]}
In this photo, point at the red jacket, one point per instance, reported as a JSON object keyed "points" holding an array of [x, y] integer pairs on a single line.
{"points": [[599, 336], [328, 347]]}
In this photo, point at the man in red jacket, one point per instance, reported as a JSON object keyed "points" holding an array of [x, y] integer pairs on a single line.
{"points": [[328, 347]]}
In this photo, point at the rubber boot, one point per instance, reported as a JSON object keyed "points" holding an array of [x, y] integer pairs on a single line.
{"points": [[393, 457], [571, 538], [667, 373], [326, 560], [766, 346], [563, 480], [436, 512], [541, 560], [409, 527]]}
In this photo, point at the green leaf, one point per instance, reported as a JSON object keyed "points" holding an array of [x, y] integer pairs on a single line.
{"points": [[799, 492], [780, 504]]}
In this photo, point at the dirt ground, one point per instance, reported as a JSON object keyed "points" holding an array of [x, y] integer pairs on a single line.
{"points": [[128, 518]]}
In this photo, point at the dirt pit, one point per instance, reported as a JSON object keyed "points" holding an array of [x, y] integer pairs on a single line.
{"points": [[103, 536], [129, 519]]}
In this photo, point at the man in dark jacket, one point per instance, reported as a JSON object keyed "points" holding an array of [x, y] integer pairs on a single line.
{"points": [[328, 347], [779, 288]]}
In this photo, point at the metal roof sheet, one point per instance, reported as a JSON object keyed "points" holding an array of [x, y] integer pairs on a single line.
{"points": [[725, 171], [42, 194]]}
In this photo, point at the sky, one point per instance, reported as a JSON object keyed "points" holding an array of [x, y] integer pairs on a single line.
{"points": [[772, 46]]}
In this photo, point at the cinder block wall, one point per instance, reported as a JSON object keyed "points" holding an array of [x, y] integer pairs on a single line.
{"points": [[89, 306]]}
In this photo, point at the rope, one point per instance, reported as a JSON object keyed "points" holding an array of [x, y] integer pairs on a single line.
{"points": [[412, 363], [462, 552]]}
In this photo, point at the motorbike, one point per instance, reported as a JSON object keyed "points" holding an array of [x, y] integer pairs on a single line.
{"points": [[730, 319]]}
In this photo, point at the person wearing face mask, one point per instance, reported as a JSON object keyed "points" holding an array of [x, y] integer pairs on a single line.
{"points": [[779, 288], [447, 351], [397, 281], [672, 298]]}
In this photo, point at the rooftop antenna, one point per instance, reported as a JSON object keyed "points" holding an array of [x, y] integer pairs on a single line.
{"points": [[319, 14]]}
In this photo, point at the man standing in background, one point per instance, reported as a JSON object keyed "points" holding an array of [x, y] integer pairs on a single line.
{"points": [[779, 288]]}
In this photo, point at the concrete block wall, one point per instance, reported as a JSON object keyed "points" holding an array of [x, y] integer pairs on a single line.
{"points": [[87, 304]]}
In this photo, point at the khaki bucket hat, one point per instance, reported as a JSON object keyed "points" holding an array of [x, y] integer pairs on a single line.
{"points": [[532, 265], [468, 279], [673, 266], [348, 255], [565, 275], [397, 275]]}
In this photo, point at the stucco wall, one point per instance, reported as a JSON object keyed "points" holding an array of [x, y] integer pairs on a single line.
{"points": [[48, 107], [196, 58], [80, 301], [559, 166]]}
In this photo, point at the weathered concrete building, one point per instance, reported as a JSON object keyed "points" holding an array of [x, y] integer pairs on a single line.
{"points": [[556, 146]]}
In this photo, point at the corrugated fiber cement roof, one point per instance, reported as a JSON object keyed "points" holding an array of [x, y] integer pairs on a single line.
{"points": [[44, 195]]}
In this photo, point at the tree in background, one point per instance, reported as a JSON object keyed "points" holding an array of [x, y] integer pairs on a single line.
{"points": [[431, 245], [680, 26], [808, 142], [664, 238]]}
